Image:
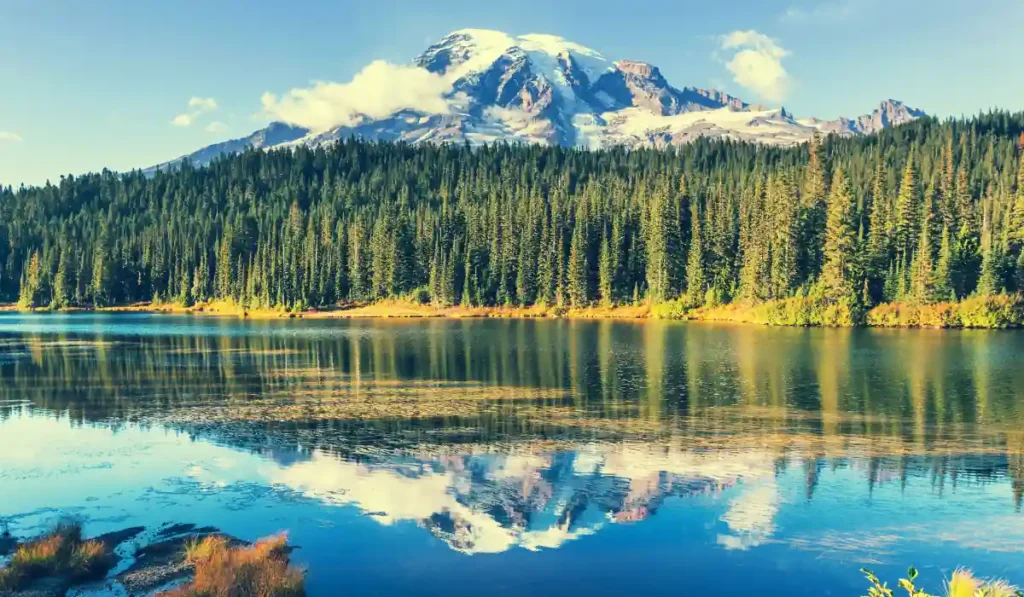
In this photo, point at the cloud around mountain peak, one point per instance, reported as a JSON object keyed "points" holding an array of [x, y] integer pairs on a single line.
{"points": [[380, 89]]}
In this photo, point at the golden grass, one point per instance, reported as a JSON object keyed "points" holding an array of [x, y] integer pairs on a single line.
{"points": [[385, 309], [1000, 311], [963, 583], [259, 570], [992, 312], [59, 553]]}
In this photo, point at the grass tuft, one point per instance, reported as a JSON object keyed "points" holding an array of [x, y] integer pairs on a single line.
{"points": [[963, 583], [259, 570], [59, 553]]}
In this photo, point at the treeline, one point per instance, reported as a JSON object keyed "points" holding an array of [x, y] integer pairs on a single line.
{"points": [[923, 213]]}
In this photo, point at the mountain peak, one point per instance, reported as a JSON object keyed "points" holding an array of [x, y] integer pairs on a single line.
{"points": [[541, 88], [643, 70]]}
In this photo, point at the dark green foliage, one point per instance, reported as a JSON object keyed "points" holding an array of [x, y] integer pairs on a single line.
{"points": [[925, 211]]}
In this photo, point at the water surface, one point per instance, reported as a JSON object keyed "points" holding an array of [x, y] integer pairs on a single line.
{"points": [[459, 457]]}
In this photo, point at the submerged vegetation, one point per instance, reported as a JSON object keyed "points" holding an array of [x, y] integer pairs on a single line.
{"points": [[962, 584], [922, 224], [59, 554]]}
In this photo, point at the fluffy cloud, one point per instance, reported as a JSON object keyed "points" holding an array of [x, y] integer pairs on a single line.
{"points": [[197, 106], [756, 63], [9, 136], [378, 90], [216, 127]]}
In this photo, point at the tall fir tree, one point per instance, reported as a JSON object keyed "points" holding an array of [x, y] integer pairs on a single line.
{"points": [[840, 279]]}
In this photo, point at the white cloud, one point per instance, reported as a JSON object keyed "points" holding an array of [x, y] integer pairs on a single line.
{"points": [[197, 106], [751, 516], [202, 104], [832, 11], [216, 127], [9, 136], [378, 90], [756, 63]]}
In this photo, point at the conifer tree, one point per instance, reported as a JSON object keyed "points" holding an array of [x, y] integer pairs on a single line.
{"points": [[696, 278], [943, 280], [907, 212], [577, 274], [663, 246], [840, 278], [606, 272], [31, 283], [62, 282], [785, 237], [922, 280], [814, 210], [878, 245]]}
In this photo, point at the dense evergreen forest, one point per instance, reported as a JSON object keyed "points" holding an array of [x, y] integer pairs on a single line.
{"points": [[926, 212]]}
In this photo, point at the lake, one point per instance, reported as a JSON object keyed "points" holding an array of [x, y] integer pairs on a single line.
{"points": [[510, 457]]}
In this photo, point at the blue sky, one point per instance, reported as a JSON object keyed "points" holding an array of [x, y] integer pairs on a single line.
{"points": [[88, 85]]}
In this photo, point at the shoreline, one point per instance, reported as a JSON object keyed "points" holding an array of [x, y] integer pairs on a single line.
{"points": [[378, 310], [992, 312]]}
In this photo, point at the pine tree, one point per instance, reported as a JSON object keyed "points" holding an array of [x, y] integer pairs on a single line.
{"points": [[814, 210], [606, 272], [988, 281], [696, 278], [922, 281], [840, 277], [62, 282], [908, 209], [98, 288], [943, 280], [577, 275], [755, 248], [878, 249], [785, 237], [31, 283], [1016, 232], [663, 246], [357, 263]]}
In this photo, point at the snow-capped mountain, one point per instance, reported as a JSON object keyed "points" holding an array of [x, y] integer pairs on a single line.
{"points": [[545, 89]]}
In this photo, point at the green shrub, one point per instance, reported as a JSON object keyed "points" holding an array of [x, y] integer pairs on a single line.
{"points": [[997, 311]]}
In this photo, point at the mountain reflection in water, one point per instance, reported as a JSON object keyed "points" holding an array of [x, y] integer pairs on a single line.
{"points": [[496, 436]]}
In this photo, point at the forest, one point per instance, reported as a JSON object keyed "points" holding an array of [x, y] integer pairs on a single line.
{"points": [[927, 213]]}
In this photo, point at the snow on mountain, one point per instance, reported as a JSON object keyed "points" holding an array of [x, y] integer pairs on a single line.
{"points": [[545, 89]]}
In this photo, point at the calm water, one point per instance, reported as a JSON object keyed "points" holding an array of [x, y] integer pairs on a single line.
{"points": [[548, 457]]}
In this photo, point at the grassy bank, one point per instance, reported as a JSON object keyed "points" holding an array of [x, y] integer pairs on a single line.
{"points": [[989, 312]]}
